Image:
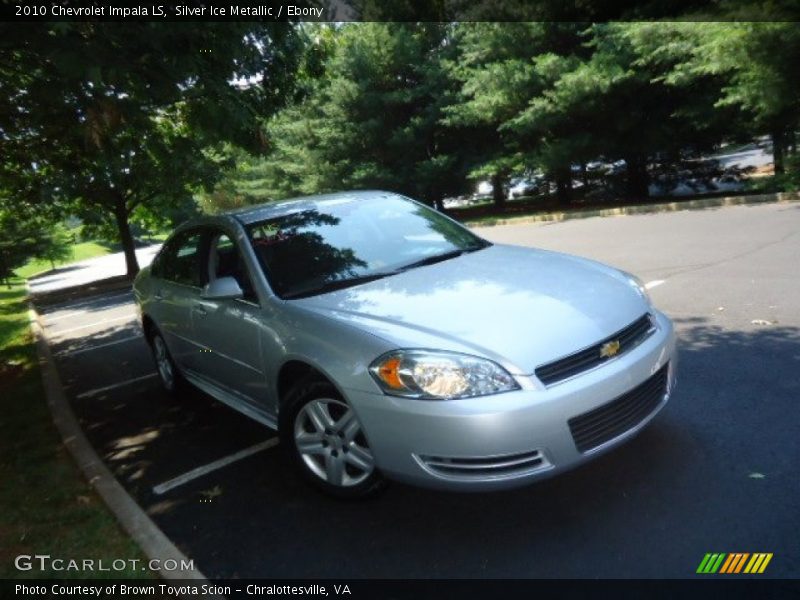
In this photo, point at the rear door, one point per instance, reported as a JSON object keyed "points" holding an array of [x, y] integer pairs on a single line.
{"points": [[177, 281]]}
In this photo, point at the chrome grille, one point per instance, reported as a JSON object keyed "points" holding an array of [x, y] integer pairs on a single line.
{"points": [[569, 366], [596, 427], [480, 467]]}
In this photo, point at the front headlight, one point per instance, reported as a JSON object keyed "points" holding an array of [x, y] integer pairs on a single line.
{"points": [[435, 375]]}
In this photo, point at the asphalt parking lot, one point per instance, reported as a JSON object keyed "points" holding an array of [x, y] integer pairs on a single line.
{"points": [[717, 471]]}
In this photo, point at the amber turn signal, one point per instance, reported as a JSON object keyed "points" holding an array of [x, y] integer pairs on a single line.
{"points": [[389, 373]]}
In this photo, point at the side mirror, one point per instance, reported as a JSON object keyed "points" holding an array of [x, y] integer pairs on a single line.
{"points": [[224, 288]]}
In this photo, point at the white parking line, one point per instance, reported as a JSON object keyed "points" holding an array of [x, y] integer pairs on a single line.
{"points": [[651, 284], [213, 466], [101, 390], [102, 322], [99, 346]]}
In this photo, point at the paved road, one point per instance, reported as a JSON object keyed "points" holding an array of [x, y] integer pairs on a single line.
{"points": [[89, 270], [717, 471]]}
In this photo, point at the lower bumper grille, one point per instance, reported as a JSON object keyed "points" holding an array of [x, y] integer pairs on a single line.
{"points": [[596, 427], [478, 468]]}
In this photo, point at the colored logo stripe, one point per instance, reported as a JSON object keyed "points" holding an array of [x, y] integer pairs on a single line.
{"points": [[710, 563], [734, 562], [758, 563]]}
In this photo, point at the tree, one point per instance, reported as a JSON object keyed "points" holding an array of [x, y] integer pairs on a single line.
{"points": [[615, 103], [757, 63], [17, 244], [54, 245], [27, 232], [424, 108], [373, 120], [501, 68], [104, 119]]}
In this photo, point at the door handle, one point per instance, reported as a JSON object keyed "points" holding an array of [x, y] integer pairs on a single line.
{"points": [[200, 310], [158, 295]]}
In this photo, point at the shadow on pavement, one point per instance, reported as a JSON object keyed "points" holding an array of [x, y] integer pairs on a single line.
{"points": [[81, 292]]}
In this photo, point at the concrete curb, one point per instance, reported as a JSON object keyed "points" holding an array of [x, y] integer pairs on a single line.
{"points": [[640, 209], [153, 542]]}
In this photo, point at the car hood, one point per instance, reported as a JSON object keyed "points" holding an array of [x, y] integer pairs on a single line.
{"points": [[518, 306]]}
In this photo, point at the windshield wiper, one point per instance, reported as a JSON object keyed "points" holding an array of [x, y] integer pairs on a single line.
{"points": [[337, 284], [430, 260]]}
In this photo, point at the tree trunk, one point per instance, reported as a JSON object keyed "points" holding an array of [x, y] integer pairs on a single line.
{"points": [[563, 179], [5, 271], [498, 190], [637, 178], [778, 151], [125, 238]]}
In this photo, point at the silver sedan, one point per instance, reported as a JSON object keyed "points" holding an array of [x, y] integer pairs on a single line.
{"points": [[384, 340]]}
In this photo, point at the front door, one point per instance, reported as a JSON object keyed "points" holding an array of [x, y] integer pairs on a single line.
{"points": [[229, 331]]}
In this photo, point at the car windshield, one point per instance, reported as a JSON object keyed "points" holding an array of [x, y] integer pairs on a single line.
{"points": [[347, 241]]}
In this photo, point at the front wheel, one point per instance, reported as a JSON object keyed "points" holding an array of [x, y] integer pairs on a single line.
{"points": [[324, 440]]}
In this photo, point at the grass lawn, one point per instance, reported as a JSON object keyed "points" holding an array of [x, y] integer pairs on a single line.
{"points": [[47, 506], [80, 251]]}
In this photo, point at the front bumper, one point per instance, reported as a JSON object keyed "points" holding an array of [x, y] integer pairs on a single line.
{"points": [[506, 440]]}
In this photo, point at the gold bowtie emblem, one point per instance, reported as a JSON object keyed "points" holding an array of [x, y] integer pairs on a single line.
{"points": [[609, 349]]}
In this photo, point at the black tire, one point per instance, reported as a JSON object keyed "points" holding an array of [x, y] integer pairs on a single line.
{"points": [[176, 384], [343, 447]]}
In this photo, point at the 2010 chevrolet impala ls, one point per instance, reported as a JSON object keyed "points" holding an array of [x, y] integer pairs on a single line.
{"points": [[384, 340]]}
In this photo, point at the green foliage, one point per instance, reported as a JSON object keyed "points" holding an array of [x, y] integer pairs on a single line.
{"points": [[654, 95], [99, 123], [114, 123], [18, 243], [29, 233], [372, 120], [757, 65], [500, 69], [55, 245]]}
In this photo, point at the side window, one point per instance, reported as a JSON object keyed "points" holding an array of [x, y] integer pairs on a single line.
{"points": [[180, 261], [225, 260]]}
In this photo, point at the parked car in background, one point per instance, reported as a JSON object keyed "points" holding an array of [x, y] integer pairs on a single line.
{"points": [[521, 187], [384, 340]]}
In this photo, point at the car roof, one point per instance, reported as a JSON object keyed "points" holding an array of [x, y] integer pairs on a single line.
{"points": [[270, 210]]}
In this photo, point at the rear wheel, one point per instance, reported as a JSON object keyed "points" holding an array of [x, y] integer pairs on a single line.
{"points": [[324, 440], [169, 375]]}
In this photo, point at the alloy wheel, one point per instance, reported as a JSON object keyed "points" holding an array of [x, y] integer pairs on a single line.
{"points": [[329, 439], [163, 363]]}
